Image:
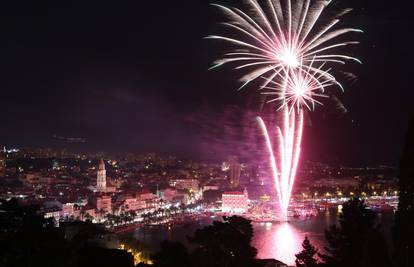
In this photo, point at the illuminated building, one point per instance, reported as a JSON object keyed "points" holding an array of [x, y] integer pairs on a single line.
{"points": [[235, 170], [104, 203], [146, 199], [208, 187], [2, 165], [130, 203], [101, 177], [235, 202], [145, 194], [31, 178], [264, 198], [188, 184], [168, 194], [53, 212], [68, 210]]}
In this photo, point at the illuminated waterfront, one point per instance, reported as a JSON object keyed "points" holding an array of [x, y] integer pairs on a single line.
{"points": [[272, 240]]}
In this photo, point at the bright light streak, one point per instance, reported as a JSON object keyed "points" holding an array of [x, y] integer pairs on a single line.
{"points": [[284, 165]]}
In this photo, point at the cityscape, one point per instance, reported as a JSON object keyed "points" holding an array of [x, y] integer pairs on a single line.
{"points": [[144, 189], [129, 192], [232, 133]]}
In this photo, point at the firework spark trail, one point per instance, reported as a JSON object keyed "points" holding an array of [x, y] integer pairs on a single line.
{"points": [[298, 92], [277, 36], [284, 165]]}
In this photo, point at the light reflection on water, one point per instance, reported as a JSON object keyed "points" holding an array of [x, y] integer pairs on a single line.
{"points": [[283, 240], [280, 241]]}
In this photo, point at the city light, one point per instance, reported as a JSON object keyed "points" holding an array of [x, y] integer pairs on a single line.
{"points": [[137, 255]]}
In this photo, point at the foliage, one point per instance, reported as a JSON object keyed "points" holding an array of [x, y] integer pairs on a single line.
{"points": [[404, 219], [348, 242], [172, 254], [225, 243], [28, 239], [307, 257]]}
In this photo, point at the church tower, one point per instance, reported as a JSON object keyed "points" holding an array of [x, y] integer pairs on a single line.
{"points": [[101, 177]]}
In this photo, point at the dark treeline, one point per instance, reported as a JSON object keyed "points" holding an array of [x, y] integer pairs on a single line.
{"points": [[404, 218], [28, 239]]}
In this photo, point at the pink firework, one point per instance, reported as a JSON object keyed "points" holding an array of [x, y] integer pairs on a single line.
{"points": [[284, 155], [286, 44], [299, 88], [297, 91], [274, 36]]}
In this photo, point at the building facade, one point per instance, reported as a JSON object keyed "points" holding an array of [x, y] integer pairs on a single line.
{"points": [[101, 177], [235, 202], [187, 184], [235, 171], [104, 203]]}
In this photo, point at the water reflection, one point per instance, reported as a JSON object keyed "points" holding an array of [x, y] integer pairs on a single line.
{"points": [[281, 241]]}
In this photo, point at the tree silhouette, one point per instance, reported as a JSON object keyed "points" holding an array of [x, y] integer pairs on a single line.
{"points": [[88, 217], [307, 257], [172, 254], [346, 242], [28, 239], [375, 251], [224, 243], [404, 218]]}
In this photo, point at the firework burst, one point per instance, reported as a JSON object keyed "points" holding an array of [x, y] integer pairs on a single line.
{"points": [[299, 89], [277, 36]]}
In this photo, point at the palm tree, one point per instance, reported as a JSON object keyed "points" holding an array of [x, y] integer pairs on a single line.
{"points": [[101, 213], [145, 218], [182, 208], [82, 213], [133, 214], [88, 217]]}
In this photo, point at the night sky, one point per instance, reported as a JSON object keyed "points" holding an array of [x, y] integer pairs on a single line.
{"points": [[133, 77]]}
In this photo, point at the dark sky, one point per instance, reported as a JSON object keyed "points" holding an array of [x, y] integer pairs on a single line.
{"points": [[132, 76]]}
